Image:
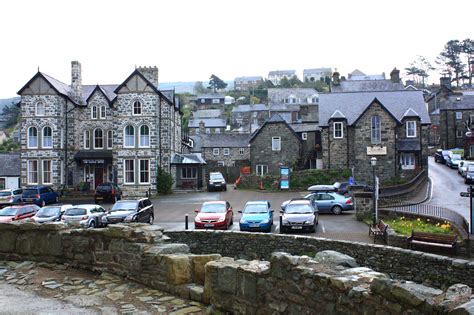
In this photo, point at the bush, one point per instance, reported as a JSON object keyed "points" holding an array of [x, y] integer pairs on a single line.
{"points": [[301, 180], [164, 182]]}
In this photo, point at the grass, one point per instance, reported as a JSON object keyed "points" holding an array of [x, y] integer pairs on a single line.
{"points": [[404, 226]]}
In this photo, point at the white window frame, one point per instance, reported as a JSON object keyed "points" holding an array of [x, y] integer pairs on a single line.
{"points": [[110, 139], [127, 170], [140, 171], [61, 143], [304, 136], [458, 115], [226, 151], [43, 172], [411, 128], [341, 125], [125, 137], [44, 138], [375, 130], [208, 130], [217, 130], [215, 101], [29, 138], [87, 139], [29, 172], [220, 163], [94, 112], [97, 138], [139, 108], [215, 151], [241, 151], [407, 161], [103, 112], [459, 133], [189, 170], [42, 111], [261, 169], [276, 143], [143, 137]]}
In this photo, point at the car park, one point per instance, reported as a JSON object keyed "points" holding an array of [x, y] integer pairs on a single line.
{"points": [[214, 215], [10, 197], [86, 215], [216, 182], [140, 210], [50, 213], [327, 202], [453, 160], [39, 195], [107, 191], [256, 216], [299, 215], [17, 213]]}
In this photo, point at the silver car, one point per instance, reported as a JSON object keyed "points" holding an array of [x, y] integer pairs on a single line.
{"points": [[10, 197], [50, 213], [84, 216]]}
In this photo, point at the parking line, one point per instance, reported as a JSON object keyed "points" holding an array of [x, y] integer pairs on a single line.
{"points": [[322, 228]]}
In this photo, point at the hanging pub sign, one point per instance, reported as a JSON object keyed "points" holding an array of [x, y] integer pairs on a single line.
{"points": [[284, 177]]}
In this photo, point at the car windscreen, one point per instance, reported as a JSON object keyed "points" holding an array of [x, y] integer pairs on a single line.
{"points": [[456, 157], [30, 192], [48, 212], [8, 211], [104, 187], [216, 177], [213, 208], [5, 193], [124, 206], [298, 209], [75, 211], [256, 208]]}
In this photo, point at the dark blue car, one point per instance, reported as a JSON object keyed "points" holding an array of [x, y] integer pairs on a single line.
{"points": [[39, 195]]}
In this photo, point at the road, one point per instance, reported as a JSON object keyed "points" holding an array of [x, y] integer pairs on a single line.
{"points": [[446, 186]]}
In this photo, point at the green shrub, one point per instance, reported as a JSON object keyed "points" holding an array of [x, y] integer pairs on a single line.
{"points": [[301, 180], [164, 182]]}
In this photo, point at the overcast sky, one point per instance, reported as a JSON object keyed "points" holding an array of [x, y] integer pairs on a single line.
{"points": [[190, 40]]}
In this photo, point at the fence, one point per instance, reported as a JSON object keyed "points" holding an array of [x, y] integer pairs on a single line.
{"points": [[403, 189]]}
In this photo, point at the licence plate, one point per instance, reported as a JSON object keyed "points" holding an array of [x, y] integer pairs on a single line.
{"points": [[254, 225], [99, 197], [209, 225], [296, 227]]}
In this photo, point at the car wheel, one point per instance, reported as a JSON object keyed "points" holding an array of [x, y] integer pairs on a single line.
{"points": [[225, 188], [92, 224], [337, 210], [231, 221], [43, 203], [151, 219]]}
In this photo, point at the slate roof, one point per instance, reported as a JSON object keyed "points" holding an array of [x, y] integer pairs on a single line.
{"points": [[210, 95], [196, 143], [337, 114], [366, 86], [304, 127], [282, 73], [367, 77], [275, 119], [191, 158], [284, 108], [457, 102], [411, 113], [225, 140], [208, 122], [408, 145], [316, 70], [277, 95], [244, 108], [207, 113], [10, 164], [352, 105]]}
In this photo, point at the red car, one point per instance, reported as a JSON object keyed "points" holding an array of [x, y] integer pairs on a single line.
{"points": [[17, 213], [214, 215]]}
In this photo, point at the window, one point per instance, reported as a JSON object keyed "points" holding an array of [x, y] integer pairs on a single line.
{"points": [[375, 134], [208, 130], [459, 133], [215, 151], [32, 137], [220, 163], [458, 115], [87, 139], [215, 101], [137, 108], [226, 151], [129, 171], [304, 136], [47, 178], [276, 144], [103, 112], [261, 169], [407, 160], [98, 139], [471, 150], [144, 171], [39, 109], [110, 139], [129, 141], [94, 112], [144, 136], [411, 129], [338, 130], [217, 130], [241, 151], [62, 139], [2, 183], [47, 137], [32, 172], [188, 173]]}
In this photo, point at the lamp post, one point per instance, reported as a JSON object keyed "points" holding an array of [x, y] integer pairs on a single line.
{"points": [[373, 162]]}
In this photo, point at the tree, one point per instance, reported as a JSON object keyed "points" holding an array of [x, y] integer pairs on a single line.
{"points": [[215, 83], [284, 83], [467, 49], [295, 82], [199, 88], [12, 114], [450, 60], [164, 182], [420, 69]]}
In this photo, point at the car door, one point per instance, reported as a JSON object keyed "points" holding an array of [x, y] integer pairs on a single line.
{"points": [[141, 211], [99, 213], [323, 202], [148, 210], [270, 212], [229, 214]]}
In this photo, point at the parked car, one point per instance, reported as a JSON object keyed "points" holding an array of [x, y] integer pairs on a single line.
{"points": [[84, 216], [327, 202], [10, 197], [333, 187], [140, 210], [17, 213], [216, 182], [39, 195], [107, 191], [50, 213], [256, 216], [344, 187], [462, 167], [214, 215], [441, 156], [469, 178], [453, 160], [299, 215]]}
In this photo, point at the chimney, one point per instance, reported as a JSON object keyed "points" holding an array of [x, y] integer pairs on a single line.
{"points": [[445, 81], [76, 82], [202, 127], [395, 75], [151, 74], [335, 78]]}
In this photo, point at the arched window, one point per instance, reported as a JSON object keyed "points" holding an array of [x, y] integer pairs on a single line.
{"points": [[103, 112], [87, 139], [110, 139], [375, 130], [129, 141], [137, 108], [32, 138], [47, 137], [94, 112], [39, 109], [98, 139], [144, 136]]}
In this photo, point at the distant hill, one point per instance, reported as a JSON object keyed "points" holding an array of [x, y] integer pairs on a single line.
{"points": [[187, 87], [8, 101]]}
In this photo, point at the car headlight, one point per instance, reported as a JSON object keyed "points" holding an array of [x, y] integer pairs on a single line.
{"points": [[265, 221], [308, 222], [243, 221], [130, 217], [284, 221], [197, 219], [221, 219]]}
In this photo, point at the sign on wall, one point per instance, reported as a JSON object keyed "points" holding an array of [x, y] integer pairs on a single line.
{"points": [[90, 161], [284, 177], [376, 150]]}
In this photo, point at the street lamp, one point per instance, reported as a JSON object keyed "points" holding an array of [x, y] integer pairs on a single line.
{"points": [[373, 162]]}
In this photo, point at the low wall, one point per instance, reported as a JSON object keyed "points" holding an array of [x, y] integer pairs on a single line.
{"points": [[399, 263]]}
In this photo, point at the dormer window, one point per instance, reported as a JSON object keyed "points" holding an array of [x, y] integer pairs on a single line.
{"points": [[411, 129], [137, 108], [338, 130], [94, 112], [39, 109]]}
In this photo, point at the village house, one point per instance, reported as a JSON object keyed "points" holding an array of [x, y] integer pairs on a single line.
{"points": [[206, 125], [247, 83], [363, 83], [294, 104], [247, 118], [276, 76], [10, 170], [317, 74], [226, 149], [210, 101]]}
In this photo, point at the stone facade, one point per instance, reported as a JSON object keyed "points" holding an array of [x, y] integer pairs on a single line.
{"points": [[236, 156]]}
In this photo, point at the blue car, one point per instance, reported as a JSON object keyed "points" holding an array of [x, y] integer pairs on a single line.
{"points": [[256, 216], [39, 195]]}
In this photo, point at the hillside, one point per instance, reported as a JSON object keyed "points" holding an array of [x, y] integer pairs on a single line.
{"points": [[8, 101]]}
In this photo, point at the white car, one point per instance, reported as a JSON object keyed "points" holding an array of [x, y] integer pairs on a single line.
{"points": [[462, 167]]}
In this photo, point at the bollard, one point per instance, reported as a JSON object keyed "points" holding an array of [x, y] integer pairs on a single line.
{"points": [[281, 225], [186, 221]]}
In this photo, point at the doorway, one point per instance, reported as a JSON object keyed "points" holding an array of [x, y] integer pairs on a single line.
{"points": [[98, 175]]}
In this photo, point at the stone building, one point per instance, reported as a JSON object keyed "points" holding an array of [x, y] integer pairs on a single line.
{"points": [[210, 101], [247, 83], [392, 126], [362, 83], [96, 133], [247, 118], [226, 149], [456, 117], [276, 76], [304, 101], [206, 125]]}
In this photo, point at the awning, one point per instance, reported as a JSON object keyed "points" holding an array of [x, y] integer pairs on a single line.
{"points": [[193, 158], [93, 156], [408, 145]]}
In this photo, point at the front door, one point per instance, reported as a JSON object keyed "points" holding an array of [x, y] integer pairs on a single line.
{"points": [[98, 175]]}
